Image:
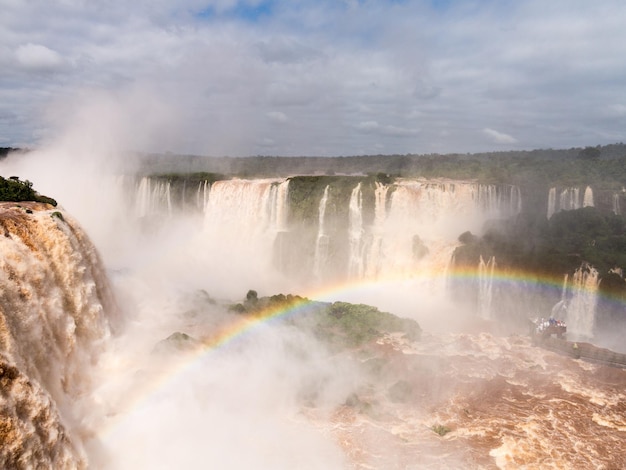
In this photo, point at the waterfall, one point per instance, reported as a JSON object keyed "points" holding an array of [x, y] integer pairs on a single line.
{"points": [[321, 242], [355, 234], [202, 195], [375, 253], [616, 207], [279, 205], [485, 287], [569, 199], [152, 196], [55, 304], [551, 202], [242, 221], [515, 200], [588, 197], [582, 306]]}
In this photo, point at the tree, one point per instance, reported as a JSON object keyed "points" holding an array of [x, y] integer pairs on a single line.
{"points": [[589, 153]]}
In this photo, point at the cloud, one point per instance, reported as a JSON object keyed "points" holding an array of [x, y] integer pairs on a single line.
{"points": [[328, 65], [387, 130], [499, 137], [277, 116], [38, 58]]}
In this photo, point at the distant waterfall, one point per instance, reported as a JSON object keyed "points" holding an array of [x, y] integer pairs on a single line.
{"points": [[569, 199], [152, 196], [355, 234], [375, 253], [588, 197], [243, 220], [582, 307], [321, 243], [616, 207], [202, 194], [279, 206], [485, 287], [551, 202]]}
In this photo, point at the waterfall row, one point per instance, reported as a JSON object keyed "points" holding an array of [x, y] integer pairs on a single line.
{"points": [[568, 199], [405, 229]]}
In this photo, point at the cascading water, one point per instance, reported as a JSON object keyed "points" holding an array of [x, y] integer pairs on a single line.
{"points": [[242, 222], [152, 196], [419, 230], [355, 234], [485, 287], [569, 199], [375, 254], [321, 242], [55, 304], [582, 306], [202, 194], [551, 202], [616, 207], [588, 197]]}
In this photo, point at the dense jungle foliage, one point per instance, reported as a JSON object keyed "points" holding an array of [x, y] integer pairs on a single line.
{"points": [[338, 324], [15, 190], [556, 246], [599, 166]]}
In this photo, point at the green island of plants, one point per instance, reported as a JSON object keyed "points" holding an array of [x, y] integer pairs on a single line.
{"points": [[15, 190], [338, 324]]}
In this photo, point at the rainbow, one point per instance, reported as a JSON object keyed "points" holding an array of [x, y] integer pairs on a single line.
{"points": [[247, 324]]}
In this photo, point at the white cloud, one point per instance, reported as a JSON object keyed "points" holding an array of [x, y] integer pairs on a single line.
{"points": [[38, 58], [499, 137]]}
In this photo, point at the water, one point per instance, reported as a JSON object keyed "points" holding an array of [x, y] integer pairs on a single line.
{"points": [[102, 395]]}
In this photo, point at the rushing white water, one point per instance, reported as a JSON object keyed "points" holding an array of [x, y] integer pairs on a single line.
{"points": [[375, 254], [485, 287], [152, 196], [355, 234], [321, 242], [582, 307], [419, 230], [616, 206], [55, 311], [588, 197], [569, 199]]}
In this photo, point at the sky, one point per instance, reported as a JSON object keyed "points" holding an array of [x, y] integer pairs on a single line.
{"points": [[314, 77]]}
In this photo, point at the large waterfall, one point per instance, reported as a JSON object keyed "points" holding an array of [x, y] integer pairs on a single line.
{"points": [[74, 395], [55, 312]]}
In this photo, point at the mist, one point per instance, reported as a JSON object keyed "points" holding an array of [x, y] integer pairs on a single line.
{"points": [[165, 394], [238, 406]]}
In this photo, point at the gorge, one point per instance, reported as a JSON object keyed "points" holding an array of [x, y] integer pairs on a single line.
{"points": [[138, 359]]}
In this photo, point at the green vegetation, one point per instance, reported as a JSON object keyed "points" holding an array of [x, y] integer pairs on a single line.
{"points": [[356, 324], [192, 178], [599, 166], [339, 324], [441, 429], [15, 190], [556, 246]]}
